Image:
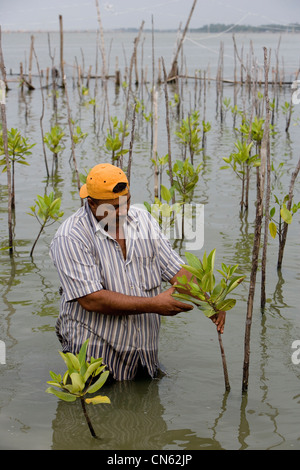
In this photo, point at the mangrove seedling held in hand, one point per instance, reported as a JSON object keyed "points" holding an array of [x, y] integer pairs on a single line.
{"points": [[209, 296]]}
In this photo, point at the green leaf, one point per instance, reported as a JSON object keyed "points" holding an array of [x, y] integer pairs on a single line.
{"points": [[272, 212], [209, 312], [273, 229], [67, 361], [62, 395], [74, 361], [54, 383], [98, 399], [211, 259], [82, 353], [165, 193], [189, 298], [56, 377], [217, 292], [193, 261], [286, 214], [92, 368], [225, 305], [99, 383], [192, 270], [77, 382]]}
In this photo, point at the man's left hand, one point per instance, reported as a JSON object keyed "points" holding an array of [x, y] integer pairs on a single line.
{"points": [[219, 320]]}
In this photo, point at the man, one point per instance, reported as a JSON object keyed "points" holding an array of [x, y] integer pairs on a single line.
{"points": [[111, 260]]}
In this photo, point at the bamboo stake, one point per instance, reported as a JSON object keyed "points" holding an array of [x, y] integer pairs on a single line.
{"points": [[42, 115], [61, 34], [131, 145], [5, 145], [129, 89], [168, 128], [173, 70], [154, 152], [96, 81], [257, 237], [30, 60], [71, 134], [53, 73], [267, 206], [153, 92], [21, 78], [102, 40]]}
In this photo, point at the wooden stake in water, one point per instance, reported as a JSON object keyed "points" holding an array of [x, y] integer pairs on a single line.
{"points": [[256, 243], [61, 32], [5, 145]]}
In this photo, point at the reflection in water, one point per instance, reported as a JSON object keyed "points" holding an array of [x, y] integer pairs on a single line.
{"points": [[133, 421]]}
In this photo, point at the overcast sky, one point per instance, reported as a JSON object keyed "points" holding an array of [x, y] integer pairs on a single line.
{"points": [[167, 14]]}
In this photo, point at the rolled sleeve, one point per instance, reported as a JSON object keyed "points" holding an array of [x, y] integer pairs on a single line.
{"points": [[170, 261], [78, 272]]}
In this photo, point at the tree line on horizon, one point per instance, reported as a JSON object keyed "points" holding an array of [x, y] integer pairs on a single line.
{"points": [[236, 28]]}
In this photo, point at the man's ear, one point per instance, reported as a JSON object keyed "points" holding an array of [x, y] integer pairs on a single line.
{"points": [[92, 204]]}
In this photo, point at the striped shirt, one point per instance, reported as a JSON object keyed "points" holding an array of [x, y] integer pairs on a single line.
{"points": [[88, 260]]}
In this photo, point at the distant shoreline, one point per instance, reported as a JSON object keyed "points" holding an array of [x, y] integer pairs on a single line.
{"points": [[209, 29]]}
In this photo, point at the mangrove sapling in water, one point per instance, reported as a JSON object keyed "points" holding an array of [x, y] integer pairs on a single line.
{"points": [[53, 141], [185, 178], [48, 213], [209, 296], [278, 227], [77, 136], [287, 209], [241, 162], [115, 138], [164, 212], [81, 378], [189, 135], [18, 150]]}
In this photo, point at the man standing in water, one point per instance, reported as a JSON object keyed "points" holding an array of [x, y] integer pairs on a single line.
{"points": [[111, 260]]}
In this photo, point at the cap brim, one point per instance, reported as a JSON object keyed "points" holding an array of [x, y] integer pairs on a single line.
{"points": [[83, 192]]}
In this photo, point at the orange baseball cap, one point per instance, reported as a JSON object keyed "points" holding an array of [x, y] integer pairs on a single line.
{"points": [[101, 181]]}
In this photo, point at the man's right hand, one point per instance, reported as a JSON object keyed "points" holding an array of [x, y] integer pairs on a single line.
{"points": [[166, 304]]}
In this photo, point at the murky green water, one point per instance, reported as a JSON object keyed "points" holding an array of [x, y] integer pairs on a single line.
{"points": [[188, 408]]}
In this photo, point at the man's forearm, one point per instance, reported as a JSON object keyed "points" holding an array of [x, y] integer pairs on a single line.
{"points": [[114, 303]]}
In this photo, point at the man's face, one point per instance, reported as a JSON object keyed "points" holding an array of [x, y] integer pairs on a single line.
{"points": [[112, 212]]}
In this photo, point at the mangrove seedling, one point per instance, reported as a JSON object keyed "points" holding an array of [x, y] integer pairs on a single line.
{"points": [[226, 106], [241, 162], [164, 212], [287, 110], [279, 227], [114, 139], [53, 141], [78, 135], [81, 378], [18, 150], [189, 135], [209, 296], [48, 212], [185, 178]]}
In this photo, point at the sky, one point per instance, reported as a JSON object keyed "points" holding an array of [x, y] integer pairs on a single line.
{"points": [[32, 15]]}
